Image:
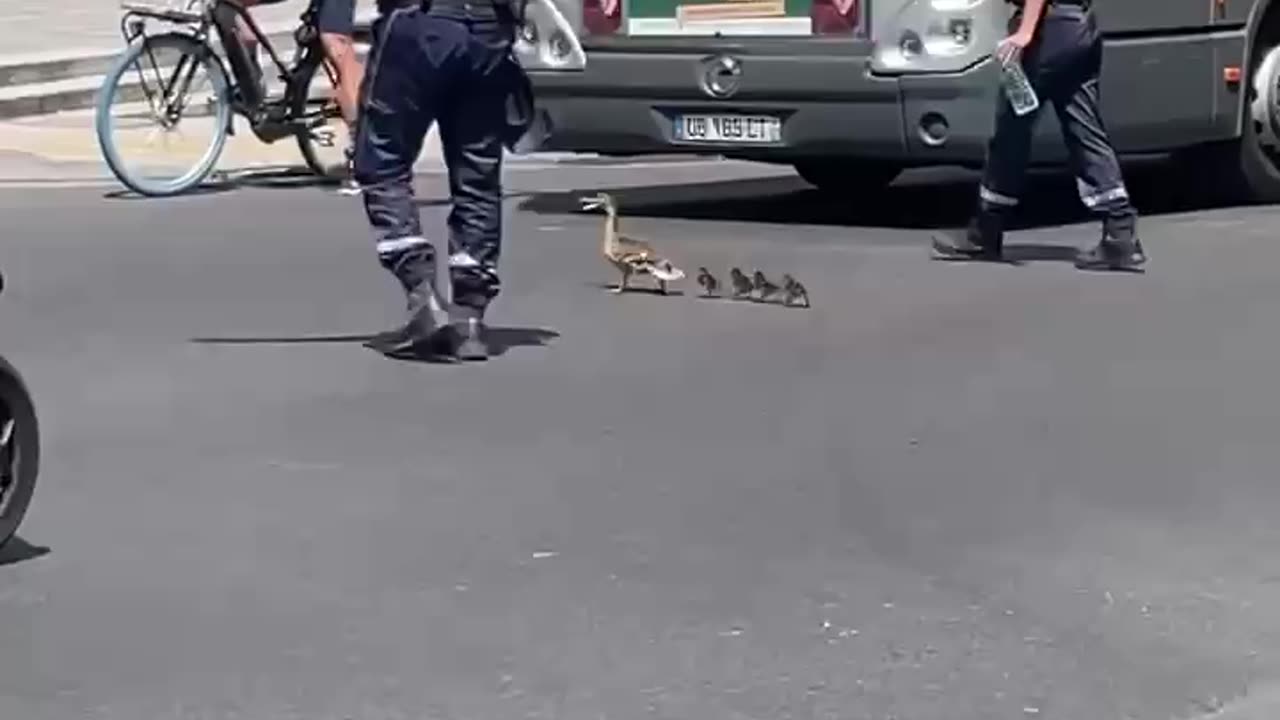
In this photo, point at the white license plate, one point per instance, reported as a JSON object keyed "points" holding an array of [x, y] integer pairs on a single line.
{"points": [[736, 129]]}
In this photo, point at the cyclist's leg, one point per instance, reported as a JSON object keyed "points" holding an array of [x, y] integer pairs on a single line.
{"points": [[242, 28], [337, 25], [248, 39]]}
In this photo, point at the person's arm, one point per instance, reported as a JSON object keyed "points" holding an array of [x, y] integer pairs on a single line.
{"points": [[1011, 47]]}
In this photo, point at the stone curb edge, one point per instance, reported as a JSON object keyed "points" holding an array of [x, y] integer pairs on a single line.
{"points": [[60, 80]]}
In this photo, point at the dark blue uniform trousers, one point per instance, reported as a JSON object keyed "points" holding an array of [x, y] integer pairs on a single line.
{"points": [[1063, 65], [455, 70]]}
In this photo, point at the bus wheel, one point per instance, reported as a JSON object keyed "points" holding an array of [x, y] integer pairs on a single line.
{"points": [[1247, 169], [1260, 156], [835, 176]]}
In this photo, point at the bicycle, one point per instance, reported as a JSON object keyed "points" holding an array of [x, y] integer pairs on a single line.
{"points": [[19, 448], [297, 113]]}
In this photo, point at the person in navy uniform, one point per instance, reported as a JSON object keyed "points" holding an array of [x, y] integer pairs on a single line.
{"points": [[1060, 47], [448, 62]]}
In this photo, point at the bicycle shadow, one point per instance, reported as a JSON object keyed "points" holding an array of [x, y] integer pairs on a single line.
{"points": [[272, 177]]}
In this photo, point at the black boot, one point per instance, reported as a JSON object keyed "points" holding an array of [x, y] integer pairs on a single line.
{"points": [[422, 336], [982, 239], [1119, 248], [1112, 254]]}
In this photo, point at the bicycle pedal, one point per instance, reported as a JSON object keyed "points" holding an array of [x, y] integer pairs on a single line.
{"points": [[325, 138]]}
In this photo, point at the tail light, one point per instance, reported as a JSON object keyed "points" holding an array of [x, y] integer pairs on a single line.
{"points": [[834, 17], [602, 17]]}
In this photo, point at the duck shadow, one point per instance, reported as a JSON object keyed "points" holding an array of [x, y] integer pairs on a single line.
{"points": [[612, 288], [18, 551]]}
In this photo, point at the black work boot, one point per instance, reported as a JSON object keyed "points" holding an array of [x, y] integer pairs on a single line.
{"points": [[1112, 254], [421, 336], [1119, 248], [982, 239]]}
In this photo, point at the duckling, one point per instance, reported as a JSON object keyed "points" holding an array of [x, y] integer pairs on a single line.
{"points": [[742, 286], [764, 287], [793, 291], [709, 283], [630, 255]]}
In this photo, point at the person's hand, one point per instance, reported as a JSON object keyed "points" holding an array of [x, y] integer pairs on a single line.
{"points": [[1010, 49]]}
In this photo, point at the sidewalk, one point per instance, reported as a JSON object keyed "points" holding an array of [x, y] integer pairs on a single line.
{"points": [[60, 49], [63, 148], [48, 27]]}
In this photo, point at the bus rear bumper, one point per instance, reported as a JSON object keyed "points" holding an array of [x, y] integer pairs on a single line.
{"points": [[628, 104]]}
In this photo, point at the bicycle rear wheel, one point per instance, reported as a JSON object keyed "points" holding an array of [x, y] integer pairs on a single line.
{"points": [[160, 98], [323, 135], [19, 450]]}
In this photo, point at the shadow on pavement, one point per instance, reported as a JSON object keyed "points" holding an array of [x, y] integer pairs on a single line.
{"points": [[500, 339], [287, 177], [445, 201], [18, 550], [283, 340], [638, 286], [924, 200]]}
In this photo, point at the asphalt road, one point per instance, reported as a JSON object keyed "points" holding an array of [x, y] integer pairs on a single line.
{"points": [[945, 492]]}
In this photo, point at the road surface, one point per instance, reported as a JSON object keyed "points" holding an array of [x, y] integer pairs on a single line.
{"points": [[945, 492]]}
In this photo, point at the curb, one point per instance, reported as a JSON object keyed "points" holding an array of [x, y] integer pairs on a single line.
{"points": [[62, 80]]}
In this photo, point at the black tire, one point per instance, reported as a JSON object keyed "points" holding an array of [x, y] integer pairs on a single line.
{"points": [[20, 455], [313, 110], [118, 84]]}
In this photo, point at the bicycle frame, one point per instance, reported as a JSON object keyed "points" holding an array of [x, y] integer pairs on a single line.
{"points": [[220, 16], [269, 121]]}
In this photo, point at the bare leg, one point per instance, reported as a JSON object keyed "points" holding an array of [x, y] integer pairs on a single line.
{"points": [[342, 53], [245, 34]]}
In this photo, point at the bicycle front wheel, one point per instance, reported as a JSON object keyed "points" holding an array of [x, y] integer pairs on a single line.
{"points": [[322, 135], [162, 115]]}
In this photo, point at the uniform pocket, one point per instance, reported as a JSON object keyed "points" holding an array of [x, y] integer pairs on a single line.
{"points": [[520, 104]]}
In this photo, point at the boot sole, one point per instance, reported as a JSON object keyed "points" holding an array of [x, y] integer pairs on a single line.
{"points": [[1129, 266], [948, 253]]}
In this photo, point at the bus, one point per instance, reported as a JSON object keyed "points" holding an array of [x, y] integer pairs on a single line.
{"points": [[852, 92]]}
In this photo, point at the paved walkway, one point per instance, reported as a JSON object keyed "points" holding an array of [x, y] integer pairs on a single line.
{"points": [[65, 146], [56, 26]]}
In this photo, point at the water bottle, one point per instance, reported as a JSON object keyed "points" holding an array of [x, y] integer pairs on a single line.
{"points": [[1018, 88]]}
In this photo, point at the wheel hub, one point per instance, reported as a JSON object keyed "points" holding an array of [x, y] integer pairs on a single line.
{"points": [[6, 459], [1265, 107]]}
